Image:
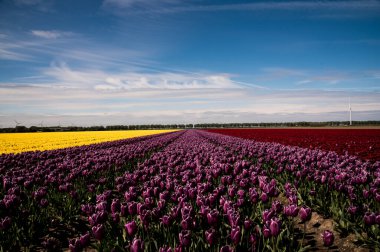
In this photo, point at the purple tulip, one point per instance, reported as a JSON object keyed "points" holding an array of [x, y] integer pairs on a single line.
{"points": [[328, 238], [185, 238], [101, 206], [323, 179], [5, 223], [291, 210], [131, 228], [369, 218], [264, 197], [241, 193], [44, 203], [166, 220], [115, 206], [132, 208], [267, 215], [236, 235], [352, 209], [212, 217], [85, 239], [365, 193], [293, 199], [137, 245], [211, 236], [275, 226], [240, 202], [305, 213], [253, 239], [98, 231], [75, 245], [277, 206], [187, 223], [248, 223], [88, 209], [266, 231]]}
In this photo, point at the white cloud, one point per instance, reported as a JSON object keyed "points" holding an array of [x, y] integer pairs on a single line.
{"points": [[51, 34], [8, 54], [103, 81]]}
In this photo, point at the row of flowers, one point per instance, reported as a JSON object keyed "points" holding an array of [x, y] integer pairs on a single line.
{"points": [[364, 143], [183, 191]]}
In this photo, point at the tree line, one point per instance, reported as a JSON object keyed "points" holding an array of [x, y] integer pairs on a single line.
{"points": [[21, 128]]}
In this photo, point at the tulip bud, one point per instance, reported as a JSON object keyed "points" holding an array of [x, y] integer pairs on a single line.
{"points": [[236, 235], [277, 206], [75, 245], [115, 205], [137, 245], [98, 231], [305, 214], [131, 228], [248, 224], [5, 223], [85, 240], [211, 236], [264, 197], [185, 238], [328, 238], [44, 203], [212, 217], [352, 209], [369, 218], [266, 231], [275, 226], [291, 210]]}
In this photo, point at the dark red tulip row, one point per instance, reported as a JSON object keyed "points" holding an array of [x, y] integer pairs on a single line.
{"points": [[185, 191], [364, 143]]}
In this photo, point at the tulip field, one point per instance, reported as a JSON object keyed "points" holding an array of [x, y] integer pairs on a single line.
{"points": [[364, 143], [189, 190], [17, 143]]}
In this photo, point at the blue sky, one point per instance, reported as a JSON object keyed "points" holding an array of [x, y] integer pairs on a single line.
{"points": [[110, 62]]}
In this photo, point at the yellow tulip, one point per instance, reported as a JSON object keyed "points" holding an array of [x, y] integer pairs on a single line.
{"points": [[21, 142]]}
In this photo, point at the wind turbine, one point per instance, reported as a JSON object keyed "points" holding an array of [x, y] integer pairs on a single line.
{"points": [[41, 124], [17, 123]]}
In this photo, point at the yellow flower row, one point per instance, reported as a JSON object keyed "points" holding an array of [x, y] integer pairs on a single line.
{"points": [[21, 142]]}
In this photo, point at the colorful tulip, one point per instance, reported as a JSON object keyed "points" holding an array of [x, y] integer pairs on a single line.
{"points": [[328, 238], [235, 235], [98, 231], [305, 213], [185, 238], [211, 236], [137, 245]]}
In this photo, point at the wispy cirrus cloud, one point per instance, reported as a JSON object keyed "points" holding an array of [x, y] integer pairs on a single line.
{"points": [[126, 80], [50, 34]]}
